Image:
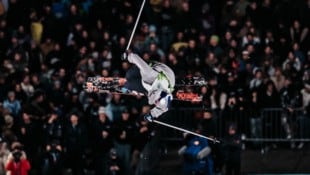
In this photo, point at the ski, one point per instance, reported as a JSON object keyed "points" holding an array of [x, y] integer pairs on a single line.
{"points": [[111, 85]]}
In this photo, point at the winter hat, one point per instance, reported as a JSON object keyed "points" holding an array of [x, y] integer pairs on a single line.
{"points": [[215, 38], [125, 110], [256, 69], [245, 52], [9, 121], [101, 110], [152, 28]]}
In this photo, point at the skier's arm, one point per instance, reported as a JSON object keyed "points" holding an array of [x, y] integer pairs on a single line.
{"points": [[204, 152], [182, 150]]}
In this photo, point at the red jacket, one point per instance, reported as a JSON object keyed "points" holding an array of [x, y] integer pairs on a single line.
{"points": [[23, 166]]}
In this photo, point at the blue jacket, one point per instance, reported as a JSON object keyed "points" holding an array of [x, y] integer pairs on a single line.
{"points": [[191, 163], [13, 106]]}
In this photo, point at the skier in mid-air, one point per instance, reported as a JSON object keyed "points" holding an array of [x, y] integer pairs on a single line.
{"points": [[158, 80]]}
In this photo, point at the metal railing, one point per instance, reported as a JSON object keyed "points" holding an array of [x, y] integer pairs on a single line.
{"points": [[266, 125]]}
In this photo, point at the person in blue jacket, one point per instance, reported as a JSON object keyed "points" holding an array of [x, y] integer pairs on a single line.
{"points": [[197, 157]]}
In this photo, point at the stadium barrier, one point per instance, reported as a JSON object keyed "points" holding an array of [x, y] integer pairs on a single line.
{"points": [[267, 125]]}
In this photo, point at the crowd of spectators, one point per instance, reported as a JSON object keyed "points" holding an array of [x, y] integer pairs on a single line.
{"points": [[254, 54]]}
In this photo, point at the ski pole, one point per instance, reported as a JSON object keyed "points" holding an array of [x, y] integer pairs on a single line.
{"points": [[186, 131], [135, 26]]}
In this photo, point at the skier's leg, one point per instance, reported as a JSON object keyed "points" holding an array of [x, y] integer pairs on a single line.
{"points": [[148, 75]]}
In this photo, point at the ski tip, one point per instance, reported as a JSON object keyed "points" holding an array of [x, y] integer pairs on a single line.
{"points": [[217, 141]]}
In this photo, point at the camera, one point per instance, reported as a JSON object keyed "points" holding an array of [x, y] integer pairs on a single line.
{"points": [[53, 147], [17, 156]]}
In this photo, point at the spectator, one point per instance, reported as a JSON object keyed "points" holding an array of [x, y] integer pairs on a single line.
{"points": [[53, 128], [36, 28], [292, 64], [231, 60], [305, 92], [143, 136], [193, 58], [36, 107], [12, 104], [240, 8], [179, 42], [114, 165], [75, 142], [290, 98], [266, 11], [297, 32], [17, 162], [196, 153], [7, 127], [267, 66], [102, 140], [231, 111], [4, 155], [184, 17], [278, 79], [269, 40], [27, 86], [30, 137], [303, 120], [56, 96], [298, 53], [115, 107], [257, 82], [208, 125], [233, 151], [231, 83], [176, 65], [3, 87], [166, 30], [52, 162], [93, 108], [155, 52], [269, 98], [124, 130], [20, 94], [3, 7], [72, 102], [218, 97], [214, 46], [152, 38], [35, 58]]}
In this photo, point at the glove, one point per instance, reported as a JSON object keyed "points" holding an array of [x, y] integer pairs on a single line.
{"points": [[182, 150], [149, 117], [125, 56], [204, 153]]}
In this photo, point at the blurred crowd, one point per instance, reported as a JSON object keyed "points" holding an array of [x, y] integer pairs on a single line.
{"points": [[254, 55]]}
